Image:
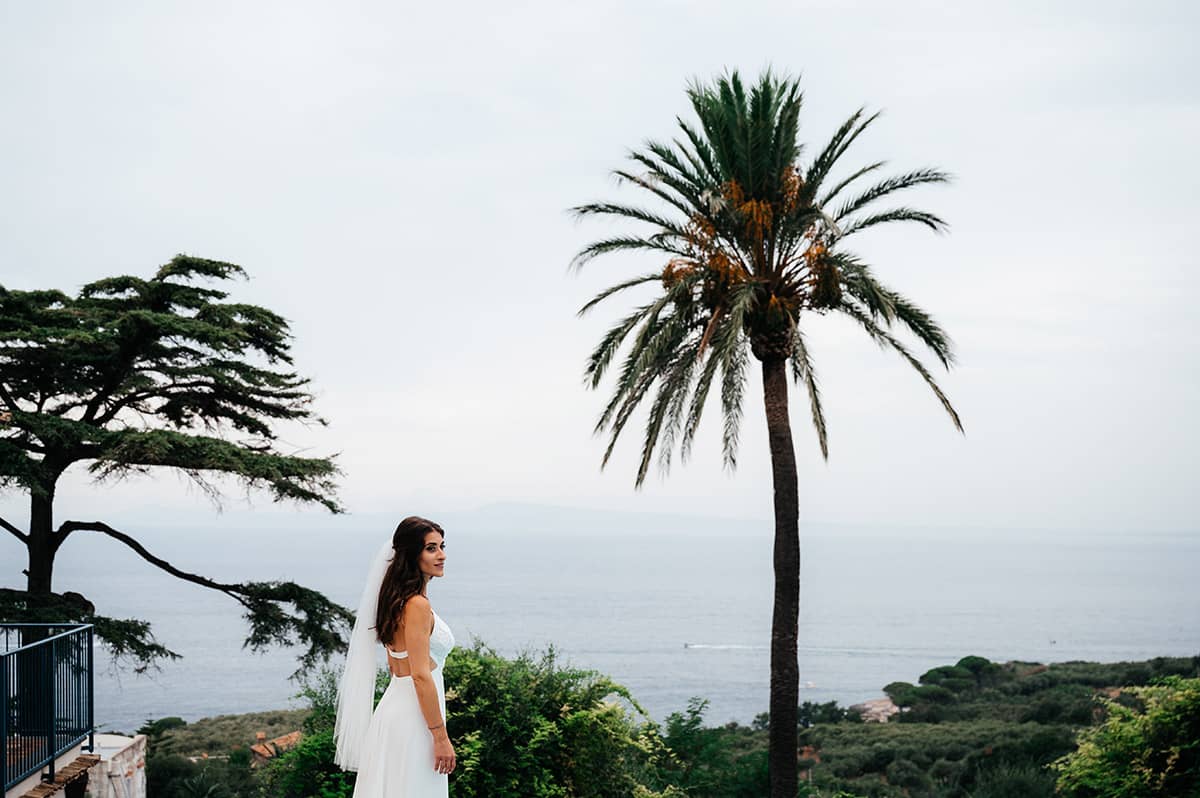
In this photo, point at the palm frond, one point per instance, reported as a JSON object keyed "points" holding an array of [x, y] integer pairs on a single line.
{"points": [[851, 129], [702, 153], [680, 168], [614, 289], [891, 185], [923, 326], [653, 243], [861, 284], [664, 224], [733, 388], [658, 180], [727, 337], [844, 184], [667, 405], [640, 375], [934, 223], [803, 372], [888, 341], [600, 358]]}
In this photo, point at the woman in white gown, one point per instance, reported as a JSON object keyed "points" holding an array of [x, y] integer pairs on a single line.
{"points": [[401, 750]]}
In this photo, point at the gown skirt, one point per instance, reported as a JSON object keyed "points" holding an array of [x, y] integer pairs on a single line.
{"points": [[397, 760]]}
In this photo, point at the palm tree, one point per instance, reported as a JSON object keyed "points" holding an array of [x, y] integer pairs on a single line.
{"points": [[753, 236]]}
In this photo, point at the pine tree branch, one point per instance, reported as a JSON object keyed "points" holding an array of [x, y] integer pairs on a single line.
{"points": [[22, 536], [97, 526], [316, 623], [8, 399], [129, 641]]}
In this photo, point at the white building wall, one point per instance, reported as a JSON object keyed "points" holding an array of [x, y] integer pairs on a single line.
{"points": [[121, 773]]}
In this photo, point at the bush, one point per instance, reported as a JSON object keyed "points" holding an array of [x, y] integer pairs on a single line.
{"points": [[529, 727], [901, 693], [809, 714], [724, 762], [941, 674], [908, 775], [1140, 754], [308, 771], [164, 771], [1014, 781]]}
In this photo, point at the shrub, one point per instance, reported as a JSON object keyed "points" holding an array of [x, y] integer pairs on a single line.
{"points": [[529, 727], [1014, 781], [308, 771], [901, 693], [1139, 754], [908, 775], [941, 674], [810, 713], [164, 771]]}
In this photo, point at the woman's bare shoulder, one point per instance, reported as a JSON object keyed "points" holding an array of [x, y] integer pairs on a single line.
{"points": [[417, 604]]}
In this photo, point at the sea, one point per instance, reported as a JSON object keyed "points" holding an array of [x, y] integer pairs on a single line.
{"points": [[672, 607]]}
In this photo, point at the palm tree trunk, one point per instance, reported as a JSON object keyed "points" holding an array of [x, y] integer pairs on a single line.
{"points": [[785, 619]]}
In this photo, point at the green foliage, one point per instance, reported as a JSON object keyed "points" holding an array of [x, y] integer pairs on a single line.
{"points": [[532, 727], [752, 237], [308, 771], [136, 374], [129, 641], [165, 771], [728, 761], [927, 759], [810, 714], [1024, 692], [76, 369], [1014, 781], [176, 776], [996, 736], [1138, 753]]}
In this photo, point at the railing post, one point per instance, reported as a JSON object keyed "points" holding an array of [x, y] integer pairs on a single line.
{"points": [[53, 701], [91, 696], [4, 690]]}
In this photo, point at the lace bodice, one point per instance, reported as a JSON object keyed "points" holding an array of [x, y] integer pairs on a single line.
{"points": [[441, 640]]}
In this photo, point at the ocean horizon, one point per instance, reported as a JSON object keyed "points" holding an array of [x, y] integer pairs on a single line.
{"points": [[669, 606]]}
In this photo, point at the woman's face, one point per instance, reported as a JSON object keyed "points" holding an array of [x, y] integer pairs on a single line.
{"points": [[433, 555]]}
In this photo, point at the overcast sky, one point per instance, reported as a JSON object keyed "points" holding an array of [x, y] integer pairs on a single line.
{"points": [[395, 178]]}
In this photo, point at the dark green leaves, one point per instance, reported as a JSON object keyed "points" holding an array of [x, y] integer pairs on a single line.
{"points": [[128, 372], [134, 375]]}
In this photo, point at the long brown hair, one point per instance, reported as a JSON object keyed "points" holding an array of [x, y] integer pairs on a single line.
{"points": [[403, 578]]}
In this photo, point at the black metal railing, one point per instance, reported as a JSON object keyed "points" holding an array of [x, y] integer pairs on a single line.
{"points": [[46, 684]]}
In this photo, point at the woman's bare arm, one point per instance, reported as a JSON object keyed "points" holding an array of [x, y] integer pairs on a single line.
{"points": [[418, 624]]}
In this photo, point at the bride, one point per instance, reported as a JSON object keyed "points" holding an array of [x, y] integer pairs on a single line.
{"points": [[401, 750]]}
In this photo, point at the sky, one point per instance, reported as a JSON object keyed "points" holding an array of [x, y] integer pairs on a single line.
{"points": [[396, 179]]}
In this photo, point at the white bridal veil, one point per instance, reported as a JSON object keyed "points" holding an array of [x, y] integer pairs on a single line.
{"points": [[356, 690]]}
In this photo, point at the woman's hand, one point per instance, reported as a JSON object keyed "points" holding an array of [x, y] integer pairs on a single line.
{"points": [[443, 752]]}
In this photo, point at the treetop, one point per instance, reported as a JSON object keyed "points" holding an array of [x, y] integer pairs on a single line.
{"points": [[133, 373]]}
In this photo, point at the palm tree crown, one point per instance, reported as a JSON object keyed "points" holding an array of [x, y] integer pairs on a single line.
{"points": [[755, 238]]}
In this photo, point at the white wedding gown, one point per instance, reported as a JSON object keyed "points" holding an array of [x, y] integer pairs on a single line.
{"points": [[397, 758]]}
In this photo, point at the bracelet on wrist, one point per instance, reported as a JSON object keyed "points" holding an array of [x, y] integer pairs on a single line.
{"points": [[435, 728]]}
